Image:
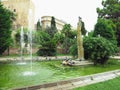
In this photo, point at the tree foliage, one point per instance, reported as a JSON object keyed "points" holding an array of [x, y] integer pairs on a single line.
{"points": [[53, 23], [47, 46], [66, 29], [41, 37], [105, 28], [98, 49], [69, 36], [52, 29], [53, 26], [59, 38], [111, 10], [39, 25], [74, 49], [83, 30], [6, 18], [17, 36], [46, 41]]}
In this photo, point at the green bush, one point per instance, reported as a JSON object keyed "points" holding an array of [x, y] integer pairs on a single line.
{"points": [[46, 52], [47, 45], [98, 49], [73, 50], [48, 49]]}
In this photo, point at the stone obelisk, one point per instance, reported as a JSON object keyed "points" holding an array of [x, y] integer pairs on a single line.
{"points": [[80, 41]]}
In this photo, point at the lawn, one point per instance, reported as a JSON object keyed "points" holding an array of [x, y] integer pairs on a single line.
{"points": [[11, 74], [113, 84]]}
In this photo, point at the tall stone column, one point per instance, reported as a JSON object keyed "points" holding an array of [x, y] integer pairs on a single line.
{"points": [[79, 41]]}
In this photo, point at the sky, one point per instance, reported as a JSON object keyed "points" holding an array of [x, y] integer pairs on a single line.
{"points": [[69, 10]]}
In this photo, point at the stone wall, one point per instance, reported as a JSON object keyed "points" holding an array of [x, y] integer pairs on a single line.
{"points": [[21, 9]]}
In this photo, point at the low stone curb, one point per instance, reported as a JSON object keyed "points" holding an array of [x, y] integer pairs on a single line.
{"points": [[77, 82], [36, 58]]}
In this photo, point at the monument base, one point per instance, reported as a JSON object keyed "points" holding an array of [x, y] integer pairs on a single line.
{"points": [[81, 63], [80, 59]]}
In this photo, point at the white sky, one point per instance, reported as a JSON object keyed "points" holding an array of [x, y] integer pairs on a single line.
{"points": [[69, 10]]}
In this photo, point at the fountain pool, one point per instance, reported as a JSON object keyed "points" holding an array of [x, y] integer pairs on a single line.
{"points": [[13, 75]]}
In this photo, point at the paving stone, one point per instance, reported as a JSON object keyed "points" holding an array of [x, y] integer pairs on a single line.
{"points": [[78, 83], [87, 80], [118, 73], [64, 84], [51, 88], [110, 76]]}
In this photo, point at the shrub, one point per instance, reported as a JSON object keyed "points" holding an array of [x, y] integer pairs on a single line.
{"points": [[47, 45], [73, 50], [98, 49], [46, 52], [48, 49]]}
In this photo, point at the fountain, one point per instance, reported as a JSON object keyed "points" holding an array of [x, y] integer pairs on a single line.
{"points": [[29, 73], [22, 44]]}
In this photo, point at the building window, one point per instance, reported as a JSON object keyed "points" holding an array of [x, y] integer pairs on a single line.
{"points": [[14, 10]]}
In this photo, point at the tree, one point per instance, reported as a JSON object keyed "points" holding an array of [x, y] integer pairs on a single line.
{"points": [[111, 10], [66, 41], [59, 38], [74, 49], [69, 36], [49, 31], [47, 46], [105, 28], [83, 30], [53, 26], [47, 41], [66, 29], [38, 25], [6, 18], [52, 29], [98, 49]]}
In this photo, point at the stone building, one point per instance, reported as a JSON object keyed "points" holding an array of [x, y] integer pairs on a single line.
{"points": [[24, 11], [46, 22]]}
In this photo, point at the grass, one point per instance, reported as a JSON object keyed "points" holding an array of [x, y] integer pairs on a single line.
{"points": [[113, 84], [11, 74]]}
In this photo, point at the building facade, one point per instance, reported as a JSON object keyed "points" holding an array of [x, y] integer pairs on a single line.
{"points": [[24, 11], [46, 22]]}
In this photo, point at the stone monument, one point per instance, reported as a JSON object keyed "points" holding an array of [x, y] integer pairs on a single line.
{"points": [[80, 41]]}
